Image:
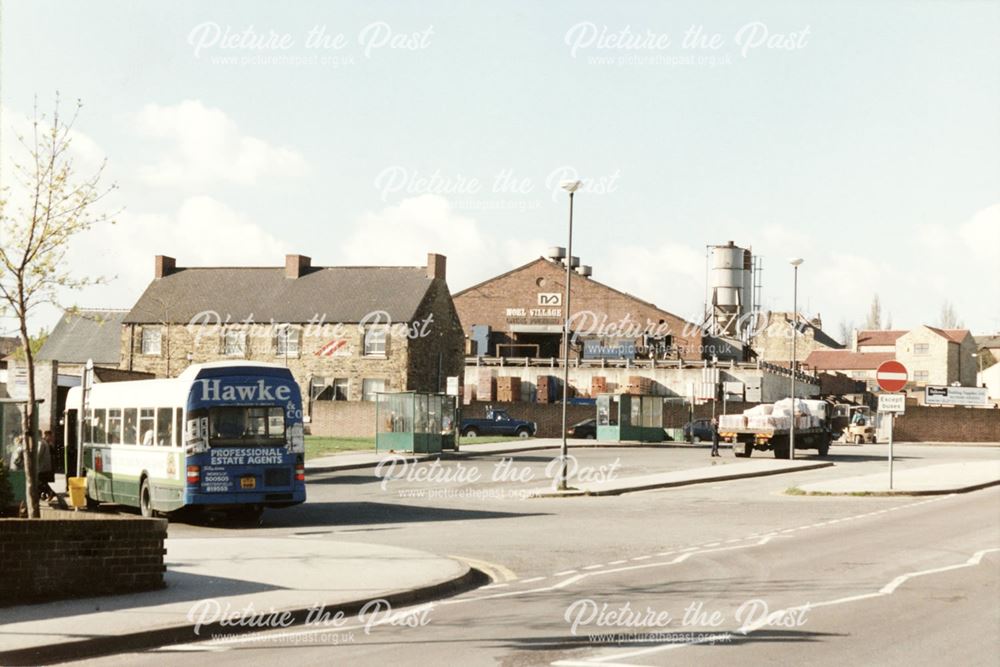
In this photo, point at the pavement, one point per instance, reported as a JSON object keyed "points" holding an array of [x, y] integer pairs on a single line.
{"points": [[958, 477], [467, 448], [206, 577], [722, 469]]}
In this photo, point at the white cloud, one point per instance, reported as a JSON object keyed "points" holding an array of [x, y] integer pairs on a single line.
{"points": [[404, 233], [671, 275], [206, 147], [202, 232]]}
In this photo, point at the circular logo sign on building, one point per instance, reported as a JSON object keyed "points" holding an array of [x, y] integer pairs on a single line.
{"points": [[891, 376]]}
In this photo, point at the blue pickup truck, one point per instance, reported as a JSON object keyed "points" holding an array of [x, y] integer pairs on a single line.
{"points": [[498, 422]]}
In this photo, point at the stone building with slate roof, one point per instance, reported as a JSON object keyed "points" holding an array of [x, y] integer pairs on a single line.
{"points": [[346, 333]]}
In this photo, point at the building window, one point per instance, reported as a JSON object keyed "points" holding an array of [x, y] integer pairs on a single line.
{"points": [[340, 387], [234, 343], [151, 339], [286, 341], [921, 348], [316, 387], [921, 376], [371, 387], [375, 342]]}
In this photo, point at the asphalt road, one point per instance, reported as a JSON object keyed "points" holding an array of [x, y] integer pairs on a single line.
{"points": [[864, 580]]}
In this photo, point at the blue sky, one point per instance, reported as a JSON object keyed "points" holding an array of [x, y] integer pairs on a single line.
{"points": [[862, 136]]}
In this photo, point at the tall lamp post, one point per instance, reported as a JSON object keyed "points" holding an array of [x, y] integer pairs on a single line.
{"points": [[571, 187], [795, 332]]}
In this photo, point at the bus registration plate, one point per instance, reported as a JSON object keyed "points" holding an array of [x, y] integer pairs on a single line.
{"points": [[248, 482]]}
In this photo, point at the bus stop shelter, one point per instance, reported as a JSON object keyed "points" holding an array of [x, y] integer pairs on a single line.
{"points": [[628, 417], [418, 422], [11, 440]]}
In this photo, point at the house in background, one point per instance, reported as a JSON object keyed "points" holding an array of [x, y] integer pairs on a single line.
{"points": [[346, 333]]}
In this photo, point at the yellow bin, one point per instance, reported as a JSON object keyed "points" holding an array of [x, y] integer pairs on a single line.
{"points": [[77, 491]]}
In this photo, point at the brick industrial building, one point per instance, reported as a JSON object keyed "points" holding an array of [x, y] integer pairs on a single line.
{"points": [[346, 333], [520, 314], [514, 322]]}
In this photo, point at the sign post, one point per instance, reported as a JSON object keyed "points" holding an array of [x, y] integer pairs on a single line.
{"points": [[891, 377]]}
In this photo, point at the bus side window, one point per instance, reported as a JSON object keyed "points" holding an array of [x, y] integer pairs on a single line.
{"points": [[131, 436], [147, 421], [164, 427], [114, 426], [99, 434]]}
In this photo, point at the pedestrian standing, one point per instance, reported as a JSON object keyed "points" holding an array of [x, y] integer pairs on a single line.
{"points": [[46, 473], [715, 437]]}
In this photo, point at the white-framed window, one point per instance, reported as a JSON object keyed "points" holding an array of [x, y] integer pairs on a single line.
{"points": [[921, 376], [921, 348], [286, 341], [340, 389], [375, 342], [316, 387], [370, 387], [234, 343], [152, 338]]}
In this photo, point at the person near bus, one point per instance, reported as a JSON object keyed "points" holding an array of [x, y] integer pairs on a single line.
{"points": [[715, 437], [46, 473]]}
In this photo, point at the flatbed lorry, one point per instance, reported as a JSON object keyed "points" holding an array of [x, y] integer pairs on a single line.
{"points": [[821, 431]]}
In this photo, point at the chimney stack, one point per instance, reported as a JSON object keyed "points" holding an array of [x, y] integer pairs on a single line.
{"points": [[164, 266], [296, 265], [436, 265]]}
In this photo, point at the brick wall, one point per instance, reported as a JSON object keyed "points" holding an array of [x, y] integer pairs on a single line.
{"points": [[594, 305], [548, 416], [343, 419], [941, 424], [78, 554]]}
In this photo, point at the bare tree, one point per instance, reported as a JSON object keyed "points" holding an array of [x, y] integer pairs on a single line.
{"points": [[846, 331], [57, 206], [948, 319], [874, 320]]}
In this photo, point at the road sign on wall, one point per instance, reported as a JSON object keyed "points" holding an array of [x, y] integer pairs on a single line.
{"points": [[891, 376], [937, 395]]}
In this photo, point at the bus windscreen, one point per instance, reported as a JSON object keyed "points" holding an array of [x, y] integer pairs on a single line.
{"points": [[246, 426]]}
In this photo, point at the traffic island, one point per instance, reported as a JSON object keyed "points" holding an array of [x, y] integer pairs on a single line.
{"points": [[719, 472], [210, 579], [960, 477]]}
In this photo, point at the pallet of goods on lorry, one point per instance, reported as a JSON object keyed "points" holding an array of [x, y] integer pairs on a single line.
{"points": [[732, 422], [768, 422]]}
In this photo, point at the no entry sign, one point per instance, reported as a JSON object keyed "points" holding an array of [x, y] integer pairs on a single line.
{"points": [[891, 376]]}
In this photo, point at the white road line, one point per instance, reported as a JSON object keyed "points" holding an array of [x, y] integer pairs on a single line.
{"points": [[617, 562], [888, 589], [563, 574], [642, 558], [592, 567], [532, 580]]}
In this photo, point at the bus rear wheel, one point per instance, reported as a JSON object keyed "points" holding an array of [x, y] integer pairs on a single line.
{"points": [[146, 499]]}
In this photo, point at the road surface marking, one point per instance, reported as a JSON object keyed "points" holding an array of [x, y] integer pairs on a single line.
{"points": [[563, 574], [498, 573], [642, 558], [532, 580], [617, 562], [888, 589]]}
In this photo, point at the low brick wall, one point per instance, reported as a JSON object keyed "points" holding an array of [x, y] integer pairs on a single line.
{"points": [[548, 416], [923, 423], [343, 419], [78, 554], [356, 419]]}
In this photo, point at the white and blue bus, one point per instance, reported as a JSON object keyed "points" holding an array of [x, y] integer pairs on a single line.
{"points": [[224, 435]]}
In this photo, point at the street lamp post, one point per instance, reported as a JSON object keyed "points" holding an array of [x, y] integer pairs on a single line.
{"points": [[571, 187], [795, 331]]}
